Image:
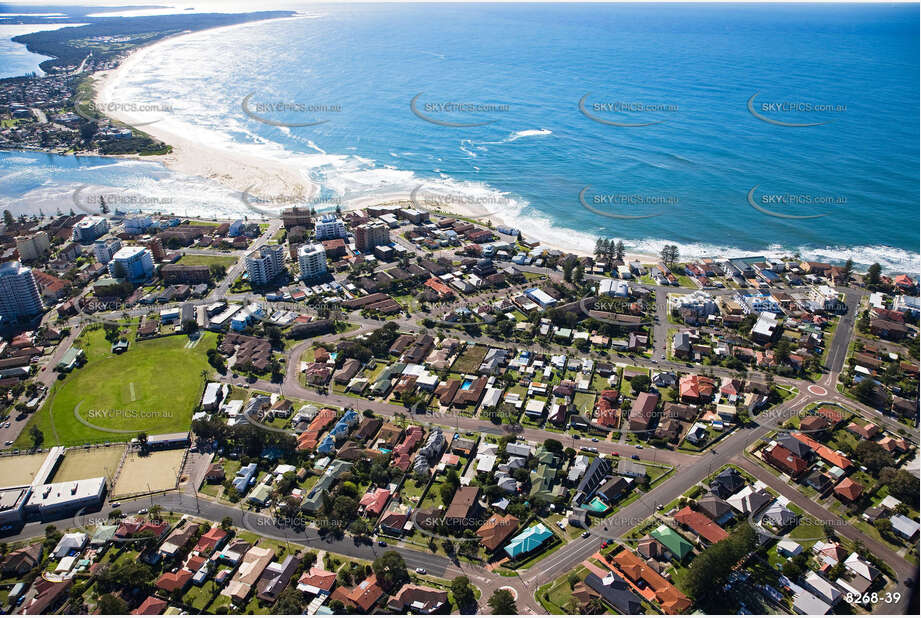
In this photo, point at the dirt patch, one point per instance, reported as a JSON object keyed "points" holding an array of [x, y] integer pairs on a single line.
{"points": [[19, 470], [89, 464], [157, 471]]}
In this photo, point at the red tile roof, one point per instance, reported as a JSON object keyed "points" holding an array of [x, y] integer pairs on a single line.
{"points": [[824, 452], [701, 524], [669, 597], [170, 582], [151, 606], [849, 490], [210, 539]]}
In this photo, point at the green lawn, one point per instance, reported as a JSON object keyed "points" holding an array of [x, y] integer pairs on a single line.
{"points": [[584, 402], [555, 596], [207, 260], [152, 387]]}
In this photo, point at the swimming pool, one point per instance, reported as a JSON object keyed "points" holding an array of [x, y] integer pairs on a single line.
{"points": [[466, 384], [596, 505]]}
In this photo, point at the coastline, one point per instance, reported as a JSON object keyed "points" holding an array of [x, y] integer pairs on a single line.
{"points": [[241, 172], [273, 179], [267, 178]]}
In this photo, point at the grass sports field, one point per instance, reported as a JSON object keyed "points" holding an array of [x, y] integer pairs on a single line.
{"points": [[152, 387], [207, 260]]}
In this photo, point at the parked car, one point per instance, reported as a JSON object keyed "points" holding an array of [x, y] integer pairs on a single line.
{"points": [[420, 571], [634, 457]]}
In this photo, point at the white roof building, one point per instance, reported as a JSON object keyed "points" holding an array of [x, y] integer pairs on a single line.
{"points": [[72, 541]]}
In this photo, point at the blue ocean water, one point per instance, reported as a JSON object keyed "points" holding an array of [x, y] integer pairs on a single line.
{"points": [[690, 69], [17, 60]]}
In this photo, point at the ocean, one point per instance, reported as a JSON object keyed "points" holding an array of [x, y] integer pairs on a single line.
{"points": [[724, 129]]}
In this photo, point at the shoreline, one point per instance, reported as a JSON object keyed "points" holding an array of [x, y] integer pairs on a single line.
{"points": [[239, 171], [264, 177], [270, 179]]}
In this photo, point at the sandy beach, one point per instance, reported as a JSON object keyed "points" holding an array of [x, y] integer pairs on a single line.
{"points": [[259, 176]]}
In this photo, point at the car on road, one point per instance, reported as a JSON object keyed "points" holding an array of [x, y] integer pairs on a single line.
{"points": [[639, 446], [586, 534], [634, 457], [142, 511], [8, 442], [659, 507], [115, 505], [594, 439], [382, 543], [576, 436], [421, 571], [616, 454]]}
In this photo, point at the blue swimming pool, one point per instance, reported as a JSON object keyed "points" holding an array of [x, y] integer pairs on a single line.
{"points": [[466, 384], [596, 505]]}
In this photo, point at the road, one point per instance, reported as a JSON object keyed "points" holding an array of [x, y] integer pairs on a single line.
{"points": [[689, 469], [268, 526]]}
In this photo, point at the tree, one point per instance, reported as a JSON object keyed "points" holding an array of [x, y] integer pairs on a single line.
{"points": [[640, 383], [567, 271], [217, 271], [873, 274], [902, 484], [873, 456], [794, 568], [710, 569], [390, 570], [37, 436], [124, 576], [669, 254], [554, 446], [864, 391], [8, 217], [502, 602], [463, 593], [112, 605], [290, 602], [360, 527], [847, 269], [447, 493]]}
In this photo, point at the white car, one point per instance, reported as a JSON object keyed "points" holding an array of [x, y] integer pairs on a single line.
{"points": [[420, 571]]}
